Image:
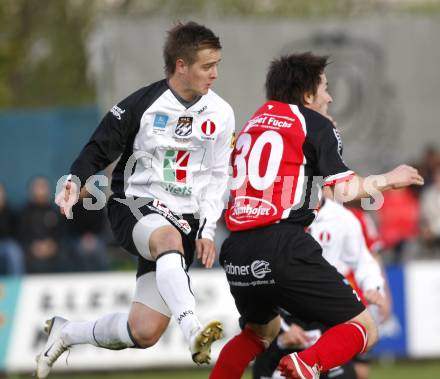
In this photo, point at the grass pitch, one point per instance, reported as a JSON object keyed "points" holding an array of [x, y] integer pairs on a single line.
{"points": [[400, 370]]}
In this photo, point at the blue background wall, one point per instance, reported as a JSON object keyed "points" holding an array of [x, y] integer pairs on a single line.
{"points": [[41, 142]]}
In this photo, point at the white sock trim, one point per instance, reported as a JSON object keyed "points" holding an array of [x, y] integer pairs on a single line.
{"points": [[363, 334]]}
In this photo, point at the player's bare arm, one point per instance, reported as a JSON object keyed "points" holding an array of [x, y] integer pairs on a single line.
{"points": [[362, 187]]}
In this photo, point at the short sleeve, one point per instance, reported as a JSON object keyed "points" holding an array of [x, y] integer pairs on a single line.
{"points": [[329, 153]]}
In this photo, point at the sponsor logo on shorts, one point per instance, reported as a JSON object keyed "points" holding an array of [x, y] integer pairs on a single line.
{"points": [[159, 207], [258, 269], [247, 209], [185, 226], [236, 270]]}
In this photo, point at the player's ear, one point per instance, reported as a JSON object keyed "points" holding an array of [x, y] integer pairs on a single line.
{"points": [[308, 98], [181, 66]]}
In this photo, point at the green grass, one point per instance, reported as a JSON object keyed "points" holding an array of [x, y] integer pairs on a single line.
{"points": [[400, 370], [407, 370]]}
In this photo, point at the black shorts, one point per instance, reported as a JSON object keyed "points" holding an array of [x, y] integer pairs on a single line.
{"points": [[281, 266], [123, 221]]}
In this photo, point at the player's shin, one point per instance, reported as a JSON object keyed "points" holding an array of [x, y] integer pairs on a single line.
{"points": [[236, 355], [173, 284], [337, 346]]}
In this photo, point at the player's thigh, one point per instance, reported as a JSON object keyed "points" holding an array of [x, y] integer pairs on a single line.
{"points": [[135, 231], [309, 287], [267, 332], [164, 238]]}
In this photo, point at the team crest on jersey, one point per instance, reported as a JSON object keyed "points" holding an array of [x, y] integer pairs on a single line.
{"points": [[183, 127], [208, 129]]}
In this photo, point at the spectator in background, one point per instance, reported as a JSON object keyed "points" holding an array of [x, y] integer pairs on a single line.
{"points": [[430, 160], [40, 230], [398, 221], [86, 237], [11, 255], [430, 214]]}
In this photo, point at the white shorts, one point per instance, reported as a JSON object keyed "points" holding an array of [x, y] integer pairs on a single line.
{"points": [[143, 230], [147, 293]]}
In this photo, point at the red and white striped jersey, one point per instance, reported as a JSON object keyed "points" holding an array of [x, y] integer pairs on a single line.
{"points": [[369, 230], [282, 156], [343, 244]]}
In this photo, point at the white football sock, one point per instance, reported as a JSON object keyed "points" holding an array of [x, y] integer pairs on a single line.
{"points": [[110, 332], [173, 284]]}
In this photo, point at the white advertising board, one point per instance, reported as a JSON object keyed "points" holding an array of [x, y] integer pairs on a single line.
{"points": [[422, 287], [89, 296]]}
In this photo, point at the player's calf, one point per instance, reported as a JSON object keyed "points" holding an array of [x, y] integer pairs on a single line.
{"points": [[367, 321]]}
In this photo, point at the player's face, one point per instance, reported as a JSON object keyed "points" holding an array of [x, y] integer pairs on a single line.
{"points": [[320, 101], [200, 76]]}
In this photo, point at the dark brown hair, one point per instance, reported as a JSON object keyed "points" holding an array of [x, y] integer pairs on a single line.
{"points": [[184, 41], [290, 77]]}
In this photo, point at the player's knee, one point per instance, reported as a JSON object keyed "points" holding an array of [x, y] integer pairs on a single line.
{"points": [[163, 239], [370, 326], [372, 335], [267, 332], [143, 336]]}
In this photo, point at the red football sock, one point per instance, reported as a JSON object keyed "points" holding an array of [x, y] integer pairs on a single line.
{"points": [[236, 355], [337, 346]]}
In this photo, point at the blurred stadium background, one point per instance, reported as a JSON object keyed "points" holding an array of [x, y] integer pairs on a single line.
{"points": [[63, 63]]}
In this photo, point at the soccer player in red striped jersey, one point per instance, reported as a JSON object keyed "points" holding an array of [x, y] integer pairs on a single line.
{"points": [[287, 150], [344, 246]]}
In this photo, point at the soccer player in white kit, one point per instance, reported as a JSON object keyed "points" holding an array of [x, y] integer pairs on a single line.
{"points": [[173, 139]]}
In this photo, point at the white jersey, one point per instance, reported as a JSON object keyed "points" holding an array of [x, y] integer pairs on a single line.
{"points": [[171, 150], [340, 235]]}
